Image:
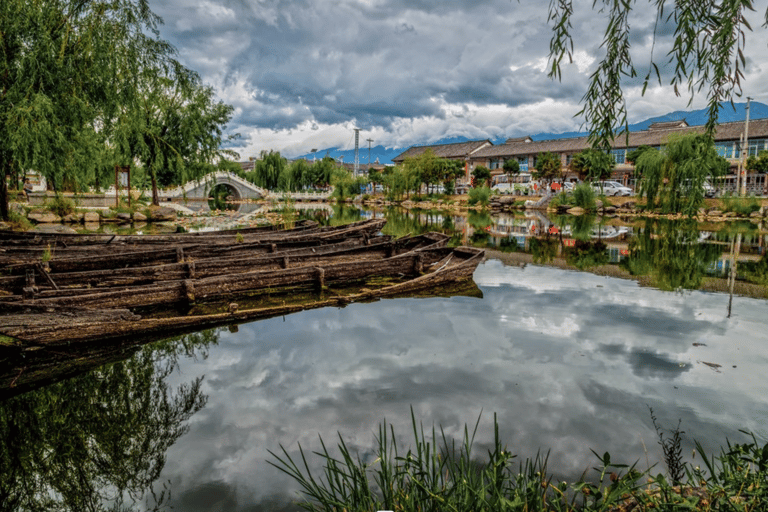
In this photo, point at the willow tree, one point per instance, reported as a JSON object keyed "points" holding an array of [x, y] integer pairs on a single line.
{"points": [[673, 178], [60, 85], [707, 53], [174, 128]]}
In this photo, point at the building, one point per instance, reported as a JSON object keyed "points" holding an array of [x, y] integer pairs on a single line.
{"points": [[463, 151], [526, 150]]}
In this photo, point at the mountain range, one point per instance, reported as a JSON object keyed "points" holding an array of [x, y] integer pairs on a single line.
{"points": [[385, 155]]}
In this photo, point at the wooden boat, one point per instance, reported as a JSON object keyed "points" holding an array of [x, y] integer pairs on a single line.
{"points": [[10, 238], [46, 322], [153, 249], [59, 284], [192, 289], [28, 366]]}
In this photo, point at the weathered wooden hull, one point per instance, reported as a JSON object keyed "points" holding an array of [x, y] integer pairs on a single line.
{"points": [[23, 370], [135, 250], [195, 289], [49, 284], [12, 238], [51, 322]]}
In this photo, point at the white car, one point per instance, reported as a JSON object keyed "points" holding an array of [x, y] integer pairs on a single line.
{"points": [[611, 188]]}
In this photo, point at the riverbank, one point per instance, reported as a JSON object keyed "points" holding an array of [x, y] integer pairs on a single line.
{"points": [[66, 216]]}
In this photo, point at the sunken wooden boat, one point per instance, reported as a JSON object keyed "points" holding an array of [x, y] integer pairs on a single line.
{"points": [[191, 288], [27, 366], [56, 321], [37, 282], [154, 249]]}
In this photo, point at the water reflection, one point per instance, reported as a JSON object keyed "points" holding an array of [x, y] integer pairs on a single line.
{"points": [[98, 441], [570, 361]]}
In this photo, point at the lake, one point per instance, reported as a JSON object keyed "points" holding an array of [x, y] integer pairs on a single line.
{"points": [[570, 340]]}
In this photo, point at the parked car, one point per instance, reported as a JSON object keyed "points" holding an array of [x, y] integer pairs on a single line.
{"points": [[611, 188]]}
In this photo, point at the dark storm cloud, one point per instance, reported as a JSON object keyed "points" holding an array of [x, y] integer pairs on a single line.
{"points": [[371, 61]]}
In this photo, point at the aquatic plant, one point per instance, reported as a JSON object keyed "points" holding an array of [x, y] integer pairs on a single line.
{"points": [[436, 474], [479, 195], [584, 196]]}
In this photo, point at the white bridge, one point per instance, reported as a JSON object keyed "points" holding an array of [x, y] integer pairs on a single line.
{"points": [[237, 187], [196, 193]]}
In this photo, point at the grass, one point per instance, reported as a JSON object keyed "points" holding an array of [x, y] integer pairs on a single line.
{"points": [[437, 474]]}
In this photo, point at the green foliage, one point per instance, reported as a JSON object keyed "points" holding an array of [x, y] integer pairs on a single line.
{"points": [[584, 196], [587, 254], [511, 166], [707, 52], [479, 195], [593, 165], [345, 185], [673, 179], [742, 206], [98, 441], [633, 155], [670, 255], [759, 163], [436, 473], [60, 205], [482, 176], [548, 166]]}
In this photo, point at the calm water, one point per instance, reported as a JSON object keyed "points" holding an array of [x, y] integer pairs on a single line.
{"points": [[570, 361]]}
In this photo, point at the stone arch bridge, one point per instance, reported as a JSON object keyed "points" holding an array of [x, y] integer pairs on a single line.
{"points": [[199, 190]]}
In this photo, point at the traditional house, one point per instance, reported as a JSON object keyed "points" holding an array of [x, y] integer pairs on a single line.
{"points": [[525, 150], [463, 151]]}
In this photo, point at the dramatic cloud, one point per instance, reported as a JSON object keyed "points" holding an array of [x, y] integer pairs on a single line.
{"points": [[569, 361], [302, 74]]}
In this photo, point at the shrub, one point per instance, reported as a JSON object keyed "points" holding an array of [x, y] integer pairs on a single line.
{"points": [[741, 205], [61, 206], [584, 196], [479, 195]]}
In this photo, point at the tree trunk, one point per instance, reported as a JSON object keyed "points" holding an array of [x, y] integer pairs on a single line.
{"points": [[4, 174], [155, 196]]}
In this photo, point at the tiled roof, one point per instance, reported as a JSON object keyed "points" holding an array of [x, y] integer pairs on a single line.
{"points": [[667, 125], [455, 150], [758, 128]]}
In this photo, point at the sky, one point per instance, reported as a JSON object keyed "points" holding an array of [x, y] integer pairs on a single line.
{"points": [[302, 75]]}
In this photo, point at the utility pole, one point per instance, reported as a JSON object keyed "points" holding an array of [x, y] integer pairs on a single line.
{"points": [[357, 153], [369, 151], [745, 153]]}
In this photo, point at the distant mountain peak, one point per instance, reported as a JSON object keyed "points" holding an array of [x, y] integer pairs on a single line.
{"points": [[727, 114]]}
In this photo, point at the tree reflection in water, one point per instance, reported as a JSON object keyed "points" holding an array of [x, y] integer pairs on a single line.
{"points": [[98, 441], [671, 255]]}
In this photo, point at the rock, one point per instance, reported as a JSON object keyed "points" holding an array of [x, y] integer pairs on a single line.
{"points": [[755, 215], [73, 218], [610, 209], [124, 217], [729, 214], [162, 214], [714, 212], [629, 205], [91, 217], [91, 226], [576, 210], [598, 204], [43, 217], [54, 228]]}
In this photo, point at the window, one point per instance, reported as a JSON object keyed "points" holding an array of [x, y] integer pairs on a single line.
{"points": [[755, 146], [523, 161], [619, 155], [725, 149]]}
